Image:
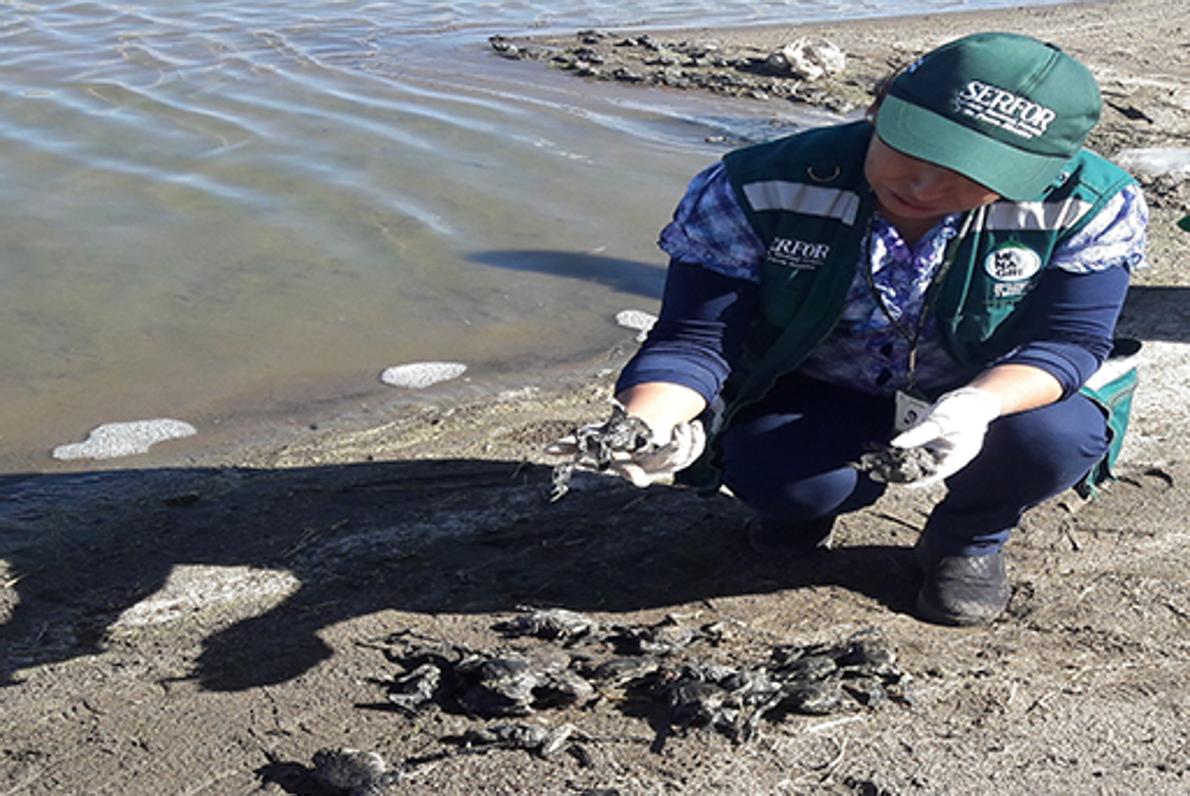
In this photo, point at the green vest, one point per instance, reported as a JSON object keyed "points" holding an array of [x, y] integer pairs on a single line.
{"points": [[808, 201]]}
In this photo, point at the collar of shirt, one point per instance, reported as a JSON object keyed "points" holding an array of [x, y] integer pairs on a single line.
{"points": [[900, 273]]}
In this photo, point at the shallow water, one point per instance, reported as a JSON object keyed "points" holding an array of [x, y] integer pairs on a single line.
{"points": [[230, 212]]}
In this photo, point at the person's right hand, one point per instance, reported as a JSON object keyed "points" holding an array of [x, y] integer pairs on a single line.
{"points": [[648, 460]]}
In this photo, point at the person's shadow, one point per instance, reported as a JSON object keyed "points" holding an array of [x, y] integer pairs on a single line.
{"points": [[451, 536]]}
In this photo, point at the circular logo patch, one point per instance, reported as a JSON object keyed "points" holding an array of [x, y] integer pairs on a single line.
{"points": [[1012, 263]]}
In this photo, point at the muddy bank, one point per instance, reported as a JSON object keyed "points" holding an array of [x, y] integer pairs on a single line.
{"points": [[273, 606]]}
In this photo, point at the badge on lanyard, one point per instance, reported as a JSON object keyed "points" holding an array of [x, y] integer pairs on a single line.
{"points": [[911, 406], [910, 409]]}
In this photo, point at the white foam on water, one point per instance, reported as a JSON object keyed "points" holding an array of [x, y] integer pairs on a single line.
{"points": [[419, 375], [113, 440], [638, 320]]}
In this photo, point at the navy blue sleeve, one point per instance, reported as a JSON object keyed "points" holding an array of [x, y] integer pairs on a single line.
{"points": [[699, 334], [1070, 324]]}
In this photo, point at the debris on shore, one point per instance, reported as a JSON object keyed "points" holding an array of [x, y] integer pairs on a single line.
{"points": [[663, 672], [807, 70], [660, 669], [898, 465]]}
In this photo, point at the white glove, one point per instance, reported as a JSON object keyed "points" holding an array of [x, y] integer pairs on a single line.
{"points": [[952, 430], [646, 464]]}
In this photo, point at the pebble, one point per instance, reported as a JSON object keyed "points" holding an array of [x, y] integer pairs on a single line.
{"points": [[113, 440], [419, 375]]}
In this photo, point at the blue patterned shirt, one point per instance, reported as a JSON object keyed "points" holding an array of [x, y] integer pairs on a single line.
{"points": [[867, 351]]}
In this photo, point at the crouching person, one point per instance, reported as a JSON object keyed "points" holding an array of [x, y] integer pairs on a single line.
{"points": [[944, 275]]}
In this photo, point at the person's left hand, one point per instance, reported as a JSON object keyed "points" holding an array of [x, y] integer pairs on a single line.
{"points": [[952, 430], [684, 444]]}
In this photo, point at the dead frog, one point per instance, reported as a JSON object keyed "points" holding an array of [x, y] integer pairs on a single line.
{"points": [[552, 624], [512, 686], [663, 638], [481, 683], [595, 447], [898, 465], [353, 771], [533, 738]]}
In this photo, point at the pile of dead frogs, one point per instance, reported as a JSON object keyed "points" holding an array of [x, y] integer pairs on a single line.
{"points": [[660, 670]]}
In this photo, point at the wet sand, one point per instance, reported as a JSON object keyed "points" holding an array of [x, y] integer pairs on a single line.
{"points": [[204, 626]]}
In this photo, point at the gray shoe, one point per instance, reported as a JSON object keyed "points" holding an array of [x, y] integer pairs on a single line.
{"points": [[772, 537], [962, 590]]}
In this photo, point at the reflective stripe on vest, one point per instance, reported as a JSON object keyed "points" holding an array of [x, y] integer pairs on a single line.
{"points": [[1035, 216], [811, 200]]}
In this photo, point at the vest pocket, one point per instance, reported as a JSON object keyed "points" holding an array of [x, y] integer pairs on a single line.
{"points": [[1112, 388]]}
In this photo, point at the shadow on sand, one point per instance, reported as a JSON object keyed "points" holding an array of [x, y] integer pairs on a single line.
{"points": [[1157, 313], [441, 536], [448, 536]]}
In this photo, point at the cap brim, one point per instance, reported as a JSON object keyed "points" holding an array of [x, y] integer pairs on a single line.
{"points": [[928, 136]]}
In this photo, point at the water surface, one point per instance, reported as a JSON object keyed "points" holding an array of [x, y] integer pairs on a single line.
{"points": [[238, 214]]}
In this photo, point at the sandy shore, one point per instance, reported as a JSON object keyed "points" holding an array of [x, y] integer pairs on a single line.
{"points": [[206, 627]]}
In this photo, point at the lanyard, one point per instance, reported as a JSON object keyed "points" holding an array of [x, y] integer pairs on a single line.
{"points": [[913, 335]]}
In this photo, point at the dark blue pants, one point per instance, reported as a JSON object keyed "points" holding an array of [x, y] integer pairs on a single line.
{"points": [[788, 458]]}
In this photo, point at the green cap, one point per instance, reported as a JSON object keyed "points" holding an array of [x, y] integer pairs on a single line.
{"points": [[1005, 110]]}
